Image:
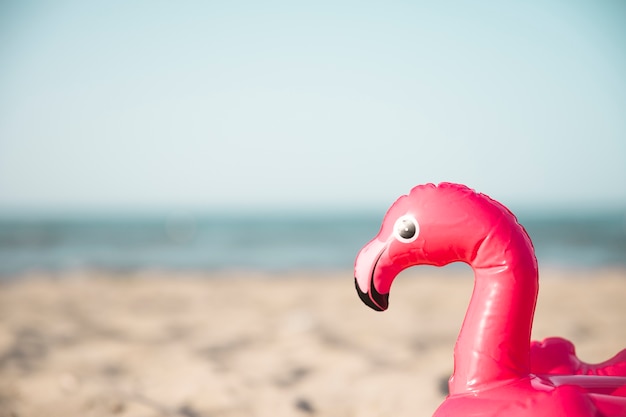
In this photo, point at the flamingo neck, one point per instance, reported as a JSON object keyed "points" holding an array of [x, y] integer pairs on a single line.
{"points": [[494, 341]]}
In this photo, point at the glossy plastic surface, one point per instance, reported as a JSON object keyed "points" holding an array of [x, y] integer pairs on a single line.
{"points": [[497, 371]]}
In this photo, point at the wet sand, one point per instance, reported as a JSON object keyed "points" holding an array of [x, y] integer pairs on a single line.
{"points": [[242, 344]]}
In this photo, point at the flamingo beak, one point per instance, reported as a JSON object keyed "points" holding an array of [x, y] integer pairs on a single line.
{"points": [[364, 273], [373, 299]]}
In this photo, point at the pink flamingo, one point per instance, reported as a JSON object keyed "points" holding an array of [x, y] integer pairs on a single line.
{"points": [[497, 372]]}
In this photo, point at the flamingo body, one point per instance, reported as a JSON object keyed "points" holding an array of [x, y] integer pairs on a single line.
{"points": [[497, 371], [520, 398]]}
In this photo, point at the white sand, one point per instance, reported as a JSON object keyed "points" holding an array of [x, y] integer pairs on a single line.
{"points": [[241, 345]]}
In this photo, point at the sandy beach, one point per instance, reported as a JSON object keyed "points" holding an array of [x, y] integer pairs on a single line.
{"points": [[241, 344]]}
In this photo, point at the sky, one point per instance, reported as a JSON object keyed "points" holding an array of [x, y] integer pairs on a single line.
{"points": [[154, 105]]}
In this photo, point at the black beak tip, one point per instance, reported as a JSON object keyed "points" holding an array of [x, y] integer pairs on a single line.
{"points": [[377, 301]]}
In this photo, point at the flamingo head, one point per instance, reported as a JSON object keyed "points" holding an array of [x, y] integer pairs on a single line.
{"points": [[432, 225]]}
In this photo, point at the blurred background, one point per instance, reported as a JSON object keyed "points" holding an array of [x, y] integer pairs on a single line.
{"points": [[274, 135], [148, 145]]}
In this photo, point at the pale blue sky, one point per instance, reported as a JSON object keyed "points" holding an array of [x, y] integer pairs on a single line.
{"points": [[192, 105]]}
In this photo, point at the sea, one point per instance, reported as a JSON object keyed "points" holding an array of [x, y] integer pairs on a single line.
{"points": [[270, 243]]}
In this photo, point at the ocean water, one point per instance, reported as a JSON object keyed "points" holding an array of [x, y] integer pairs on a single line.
{"points": [[275, 243]]}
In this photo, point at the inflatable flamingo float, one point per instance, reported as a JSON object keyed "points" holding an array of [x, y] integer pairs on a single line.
{"points": [[497, 371]]}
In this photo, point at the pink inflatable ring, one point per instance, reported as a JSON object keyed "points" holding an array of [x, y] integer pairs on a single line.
{"points": [[497, 370]]}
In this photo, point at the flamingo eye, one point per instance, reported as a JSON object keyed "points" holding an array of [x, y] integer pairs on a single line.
{"points": [[406, 229]]}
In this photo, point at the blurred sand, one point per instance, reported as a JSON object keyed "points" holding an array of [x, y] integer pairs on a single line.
{"points": [[152, 344]]}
